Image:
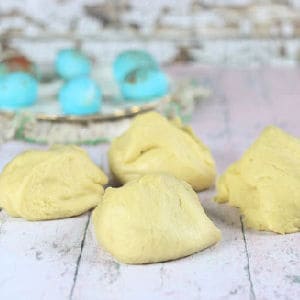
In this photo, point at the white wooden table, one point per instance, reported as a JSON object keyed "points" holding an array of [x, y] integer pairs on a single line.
{"points": [[61, 260]]}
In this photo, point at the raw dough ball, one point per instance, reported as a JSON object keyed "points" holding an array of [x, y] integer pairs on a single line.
{"points": [[153, 219], [265, 183], [59, 183], [153, 145]]}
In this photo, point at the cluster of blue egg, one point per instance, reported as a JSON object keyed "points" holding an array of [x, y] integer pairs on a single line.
{"points": [[80, 95], [137, 73]]}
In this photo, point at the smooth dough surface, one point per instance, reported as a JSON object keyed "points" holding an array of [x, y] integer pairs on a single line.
{"points": [[153, 145], [153, 219], [58, 183], [265, 183]]}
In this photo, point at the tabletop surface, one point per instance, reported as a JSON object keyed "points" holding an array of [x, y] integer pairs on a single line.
{"points": [[60, 259]]}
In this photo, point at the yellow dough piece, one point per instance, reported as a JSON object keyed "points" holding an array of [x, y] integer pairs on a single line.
{"points": [[62, 182], [265, 183], [153, 219], [155, 145]]}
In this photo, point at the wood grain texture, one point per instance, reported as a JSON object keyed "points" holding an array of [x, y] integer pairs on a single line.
{"points": [[193, 277], [251, 100], [246, 264], [39, 260]]}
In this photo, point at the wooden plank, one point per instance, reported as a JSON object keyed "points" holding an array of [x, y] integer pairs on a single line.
{"points": [[39, 260], [275, 259], [43, 260], [216, 273], [274, 262], [266, 99]]}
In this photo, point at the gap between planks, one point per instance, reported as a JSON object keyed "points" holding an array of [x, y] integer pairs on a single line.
{"points": [[79, 256], [252, 293]]}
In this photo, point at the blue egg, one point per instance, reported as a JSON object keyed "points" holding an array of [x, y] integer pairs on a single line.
{"points": [[80, 96], [129, 60], [17, 89], [71, 63], [144, 84]]}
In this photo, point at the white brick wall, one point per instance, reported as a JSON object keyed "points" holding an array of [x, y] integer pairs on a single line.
{"points": [[215, 31]]}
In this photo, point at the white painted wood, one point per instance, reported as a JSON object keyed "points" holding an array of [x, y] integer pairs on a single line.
{"points": [[43, 260], [274, 260], [220, 272], [274, 265], [215, 273], [255, 100], [38, 259]]}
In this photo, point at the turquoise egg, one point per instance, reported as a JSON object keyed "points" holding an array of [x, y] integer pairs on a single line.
{"points": [[71, 63], [129, 60], [17, 89], [80, 96], [144, 84]]}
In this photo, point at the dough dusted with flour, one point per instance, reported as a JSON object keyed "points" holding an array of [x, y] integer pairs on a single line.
{"points": [[153, 145], [265, 183], [155, 218], [59, 183]]}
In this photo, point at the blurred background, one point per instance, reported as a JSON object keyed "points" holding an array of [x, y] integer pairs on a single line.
{"points": [[230, 32]]}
